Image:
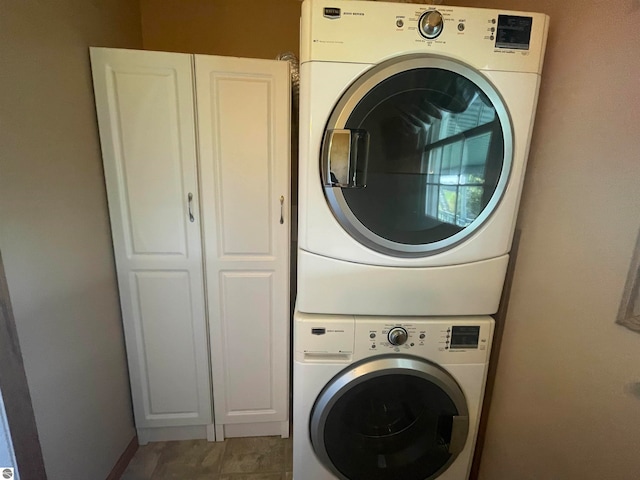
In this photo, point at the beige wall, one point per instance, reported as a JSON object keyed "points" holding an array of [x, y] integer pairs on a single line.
{"points": [[240, 28], [54, 230], [564, 405]]}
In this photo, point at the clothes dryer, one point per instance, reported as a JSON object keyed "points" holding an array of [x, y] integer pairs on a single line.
{"points": [[387, 398], [415, 126]]}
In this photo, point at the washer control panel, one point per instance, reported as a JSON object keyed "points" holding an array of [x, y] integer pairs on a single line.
{"points": [[392, 336], [467, 338], [347, 337]]}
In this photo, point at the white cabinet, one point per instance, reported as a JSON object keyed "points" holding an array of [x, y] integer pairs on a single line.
{"points": [[147, 128], [196, 160], [243, 135]]}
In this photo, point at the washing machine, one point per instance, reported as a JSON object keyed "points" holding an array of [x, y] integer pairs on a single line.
{"points": [[415, 125], [387, 398]]}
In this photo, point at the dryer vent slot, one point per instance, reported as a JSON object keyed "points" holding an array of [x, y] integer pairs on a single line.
{"points": [[320, 357]]}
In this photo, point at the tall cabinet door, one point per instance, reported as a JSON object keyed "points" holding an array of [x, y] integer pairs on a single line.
{"points": [[244, 140], [145, 109]]}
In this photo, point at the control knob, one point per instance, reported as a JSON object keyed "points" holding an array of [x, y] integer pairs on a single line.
{"points": [[430, 24], [397, 336]]}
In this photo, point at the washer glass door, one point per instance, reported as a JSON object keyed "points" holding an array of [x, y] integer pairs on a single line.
{"points": [[393, 417], [416, 155]]}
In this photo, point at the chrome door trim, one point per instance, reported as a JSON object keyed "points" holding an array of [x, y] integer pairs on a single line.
{"points": [[344, 108], [370, 368]]}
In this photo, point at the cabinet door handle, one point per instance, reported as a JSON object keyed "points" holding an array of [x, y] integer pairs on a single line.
{"points": [[281, 209], [189, 200]]}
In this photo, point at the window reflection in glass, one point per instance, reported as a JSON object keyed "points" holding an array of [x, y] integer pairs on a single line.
{"points": [[435, 157]]}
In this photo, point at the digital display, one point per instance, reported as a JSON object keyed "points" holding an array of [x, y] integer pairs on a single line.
{"points": [[464, 337], [513, 32]]}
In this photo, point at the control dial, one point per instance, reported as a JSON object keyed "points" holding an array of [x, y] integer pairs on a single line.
{"points": [[431, 24], [397, 336]]}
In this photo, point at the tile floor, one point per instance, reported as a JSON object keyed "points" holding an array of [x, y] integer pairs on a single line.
{"points": [[253, 458]]}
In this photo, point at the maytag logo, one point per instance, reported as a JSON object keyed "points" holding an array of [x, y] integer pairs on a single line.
{"points": [[331, 12]]}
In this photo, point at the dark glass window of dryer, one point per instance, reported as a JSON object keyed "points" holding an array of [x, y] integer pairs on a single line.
{"points": [[435, 157]]}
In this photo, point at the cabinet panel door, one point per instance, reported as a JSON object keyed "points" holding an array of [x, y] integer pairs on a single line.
{"points": [[243, 132], [145, 109]]}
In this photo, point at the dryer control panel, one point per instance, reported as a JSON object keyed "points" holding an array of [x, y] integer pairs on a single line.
{"points": [[370, 32]]}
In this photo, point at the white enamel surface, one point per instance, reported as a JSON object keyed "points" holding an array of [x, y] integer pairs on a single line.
{"points": [[247, 248], [468, 369], [334, 286], [338, 337], [144, 102]]}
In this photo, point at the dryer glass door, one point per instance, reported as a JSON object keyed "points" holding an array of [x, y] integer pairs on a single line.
{"points": [[416, 155], [389, 418]]}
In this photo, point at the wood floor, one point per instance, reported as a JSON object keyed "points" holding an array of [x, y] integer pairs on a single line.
{"points": [[254, 458]]}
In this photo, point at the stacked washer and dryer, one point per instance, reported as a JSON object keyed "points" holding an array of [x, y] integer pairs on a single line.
{"points": [[415, 124]]}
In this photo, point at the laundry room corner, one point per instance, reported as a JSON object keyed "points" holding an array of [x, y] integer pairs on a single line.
{"points": [[341, 239]]}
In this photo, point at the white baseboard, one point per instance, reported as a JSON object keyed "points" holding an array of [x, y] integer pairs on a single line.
{"points": [[211, 432], [166, 434], [261, 429]]}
